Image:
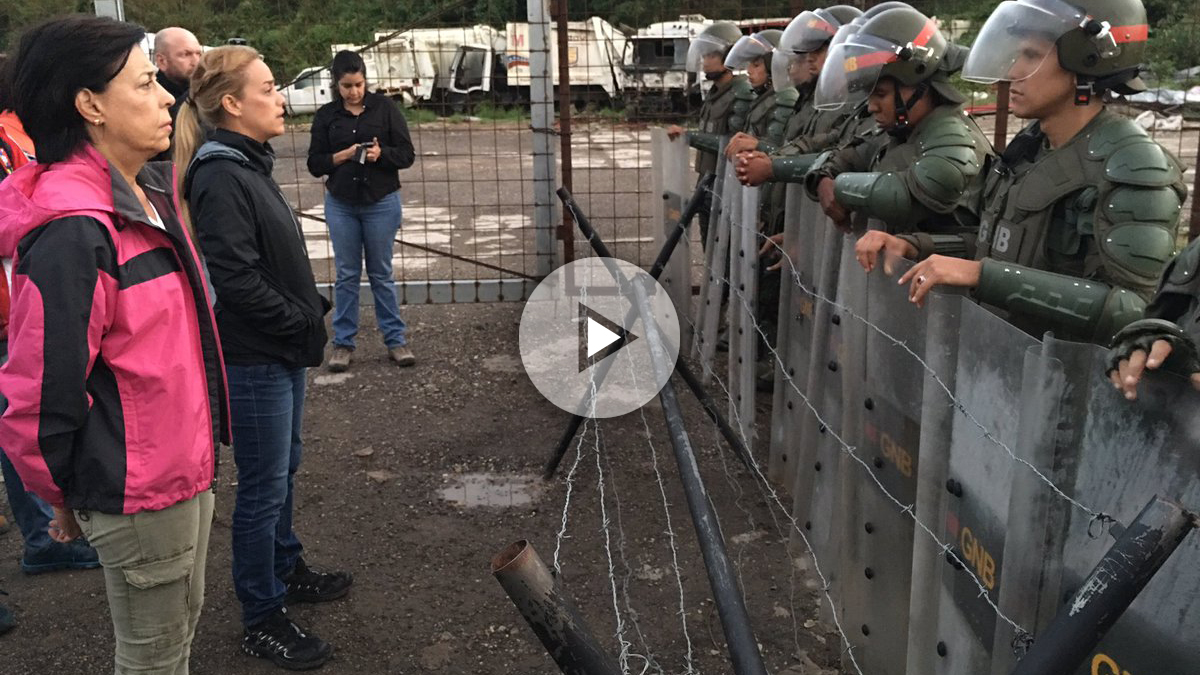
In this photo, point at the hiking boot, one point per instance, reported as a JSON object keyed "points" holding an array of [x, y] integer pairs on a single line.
{"points": [[306, 584], [402, 356], [5, 525], [278, 639], [55, 556], [339, 359]]}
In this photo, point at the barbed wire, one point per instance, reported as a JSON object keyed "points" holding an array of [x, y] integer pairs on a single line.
{"points": [[907, 509], [1095, 514]]}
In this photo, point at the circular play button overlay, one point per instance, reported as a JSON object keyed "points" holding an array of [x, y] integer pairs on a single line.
{"points": [[585, 345]]}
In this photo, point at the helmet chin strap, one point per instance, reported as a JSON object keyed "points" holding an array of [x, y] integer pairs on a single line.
{"points": [[902, 128]]}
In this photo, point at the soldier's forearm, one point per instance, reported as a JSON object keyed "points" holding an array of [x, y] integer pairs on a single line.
{"points": [[705, 142], [791, 169], [1081, 307]]}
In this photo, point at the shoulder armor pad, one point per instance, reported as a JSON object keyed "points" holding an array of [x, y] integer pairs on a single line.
{"points": [[950, 130], [787, 98], [1144, 163], [959, 155], [741, 86], [1184, 269], [1108, 137]]}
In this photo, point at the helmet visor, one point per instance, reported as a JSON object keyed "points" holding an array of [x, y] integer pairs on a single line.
{"points": [[705, 46], [1016, 39], [852, 69], [809, 31], [789, 70], [745, 50]]}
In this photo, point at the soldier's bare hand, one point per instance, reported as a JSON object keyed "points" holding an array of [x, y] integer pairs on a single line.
{"points": [[829, 204], [871, 244], [753, 168], [773, 245], [675, 131], [741, 142], [939, 270]]}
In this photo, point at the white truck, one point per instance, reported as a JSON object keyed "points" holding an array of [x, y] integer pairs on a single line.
{"points": [[594, 50], [655, 67], [413, 66]]}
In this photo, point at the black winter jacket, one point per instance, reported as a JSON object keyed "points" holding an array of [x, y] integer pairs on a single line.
{"points": [[267, 304], [334, 129]]}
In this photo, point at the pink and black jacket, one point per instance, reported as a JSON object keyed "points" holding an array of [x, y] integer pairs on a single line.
{"points": [[115, 385]]}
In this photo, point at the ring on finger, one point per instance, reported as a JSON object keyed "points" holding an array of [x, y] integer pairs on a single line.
{"points": [[920, 279]]}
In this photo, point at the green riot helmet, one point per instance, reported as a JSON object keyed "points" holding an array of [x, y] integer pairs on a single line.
{"points": [[713, 43], [751, 48], [810, 31], [899, 43], [1102, 41]]}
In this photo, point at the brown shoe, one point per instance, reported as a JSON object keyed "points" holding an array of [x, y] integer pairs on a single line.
{"points": [[339, 359], [402, 355]]}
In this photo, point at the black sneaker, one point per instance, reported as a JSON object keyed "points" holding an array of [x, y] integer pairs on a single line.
{"points": [[306, 584], [281, 641]]}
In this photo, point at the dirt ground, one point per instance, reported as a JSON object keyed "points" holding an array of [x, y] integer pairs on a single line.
{"points": [[385, 447]]}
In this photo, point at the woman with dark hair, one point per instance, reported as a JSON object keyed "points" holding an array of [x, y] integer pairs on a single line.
{"points": [[360, 140], [115, 382], [272, 322]]}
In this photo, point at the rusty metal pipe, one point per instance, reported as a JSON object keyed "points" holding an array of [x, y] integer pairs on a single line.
{"points": [[540, 599]]}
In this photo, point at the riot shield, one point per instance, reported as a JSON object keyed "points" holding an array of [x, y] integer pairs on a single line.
{"points": [[794, 344], [743, 312], [716, 266], [673, 179], [712, 285], [994, 411]]}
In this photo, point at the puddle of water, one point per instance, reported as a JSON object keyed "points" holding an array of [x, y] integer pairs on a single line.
{"points": [[492, 490]]}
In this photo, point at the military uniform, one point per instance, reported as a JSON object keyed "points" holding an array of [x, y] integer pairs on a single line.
{"points": [[1103, 207], [1073, 238], [928, 181]]}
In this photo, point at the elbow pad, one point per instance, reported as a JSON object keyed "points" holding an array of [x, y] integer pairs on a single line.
{"points": [[1080, 306], [878, 195]]}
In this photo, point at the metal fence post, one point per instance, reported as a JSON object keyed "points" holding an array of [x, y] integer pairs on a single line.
{"points": [[541, 111]]}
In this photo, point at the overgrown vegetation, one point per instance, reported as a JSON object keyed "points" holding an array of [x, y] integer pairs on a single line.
{"points": [[293, 34]]}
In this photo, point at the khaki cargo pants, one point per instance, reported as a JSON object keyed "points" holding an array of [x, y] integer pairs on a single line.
{"points": [[154, 575]]}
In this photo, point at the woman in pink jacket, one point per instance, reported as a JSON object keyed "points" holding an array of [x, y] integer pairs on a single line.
{"points": [[115, 386]]}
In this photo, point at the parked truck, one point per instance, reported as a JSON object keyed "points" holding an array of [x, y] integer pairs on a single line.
{"points": [[594, 52], [415, 66], [655, 67]]}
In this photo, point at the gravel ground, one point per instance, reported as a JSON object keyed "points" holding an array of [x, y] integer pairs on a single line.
{"points": [[390, 451]]}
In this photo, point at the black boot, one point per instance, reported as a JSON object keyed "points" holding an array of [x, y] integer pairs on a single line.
{"points": [[281, 641], [306, 584]]}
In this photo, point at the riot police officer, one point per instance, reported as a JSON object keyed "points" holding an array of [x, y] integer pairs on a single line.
{"points": [[1080, 213], [800, 55], [926, 175], [719, 115]]}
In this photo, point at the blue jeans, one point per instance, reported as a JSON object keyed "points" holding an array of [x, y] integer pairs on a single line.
{"points": [[355, 230], [266, 406], [31, 513]]}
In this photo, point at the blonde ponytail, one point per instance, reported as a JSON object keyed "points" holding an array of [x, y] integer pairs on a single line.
{"points": [[220, 73]]}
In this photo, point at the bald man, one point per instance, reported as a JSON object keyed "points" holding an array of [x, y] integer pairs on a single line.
{"points": [[176, 53]]}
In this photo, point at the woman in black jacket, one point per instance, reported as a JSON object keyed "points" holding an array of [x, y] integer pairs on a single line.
{"points": [[360, 140], [271, 321]]}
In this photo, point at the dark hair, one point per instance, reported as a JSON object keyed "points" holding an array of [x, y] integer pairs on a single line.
{"points": [[345, 62], [5, 84], [55, 61]]}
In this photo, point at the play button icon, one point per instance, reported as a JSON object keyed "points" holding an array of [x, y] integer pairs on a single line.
{"points": [[586, 347], [600, 336]]}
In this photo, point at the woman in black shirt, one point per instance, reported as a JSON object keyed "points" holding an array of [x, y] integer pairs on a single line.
{"points": [[360, 140]]}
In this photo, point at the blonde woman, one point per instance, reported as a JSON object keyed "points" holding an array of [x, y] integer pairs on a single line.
{"points": [[272, 327]]}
